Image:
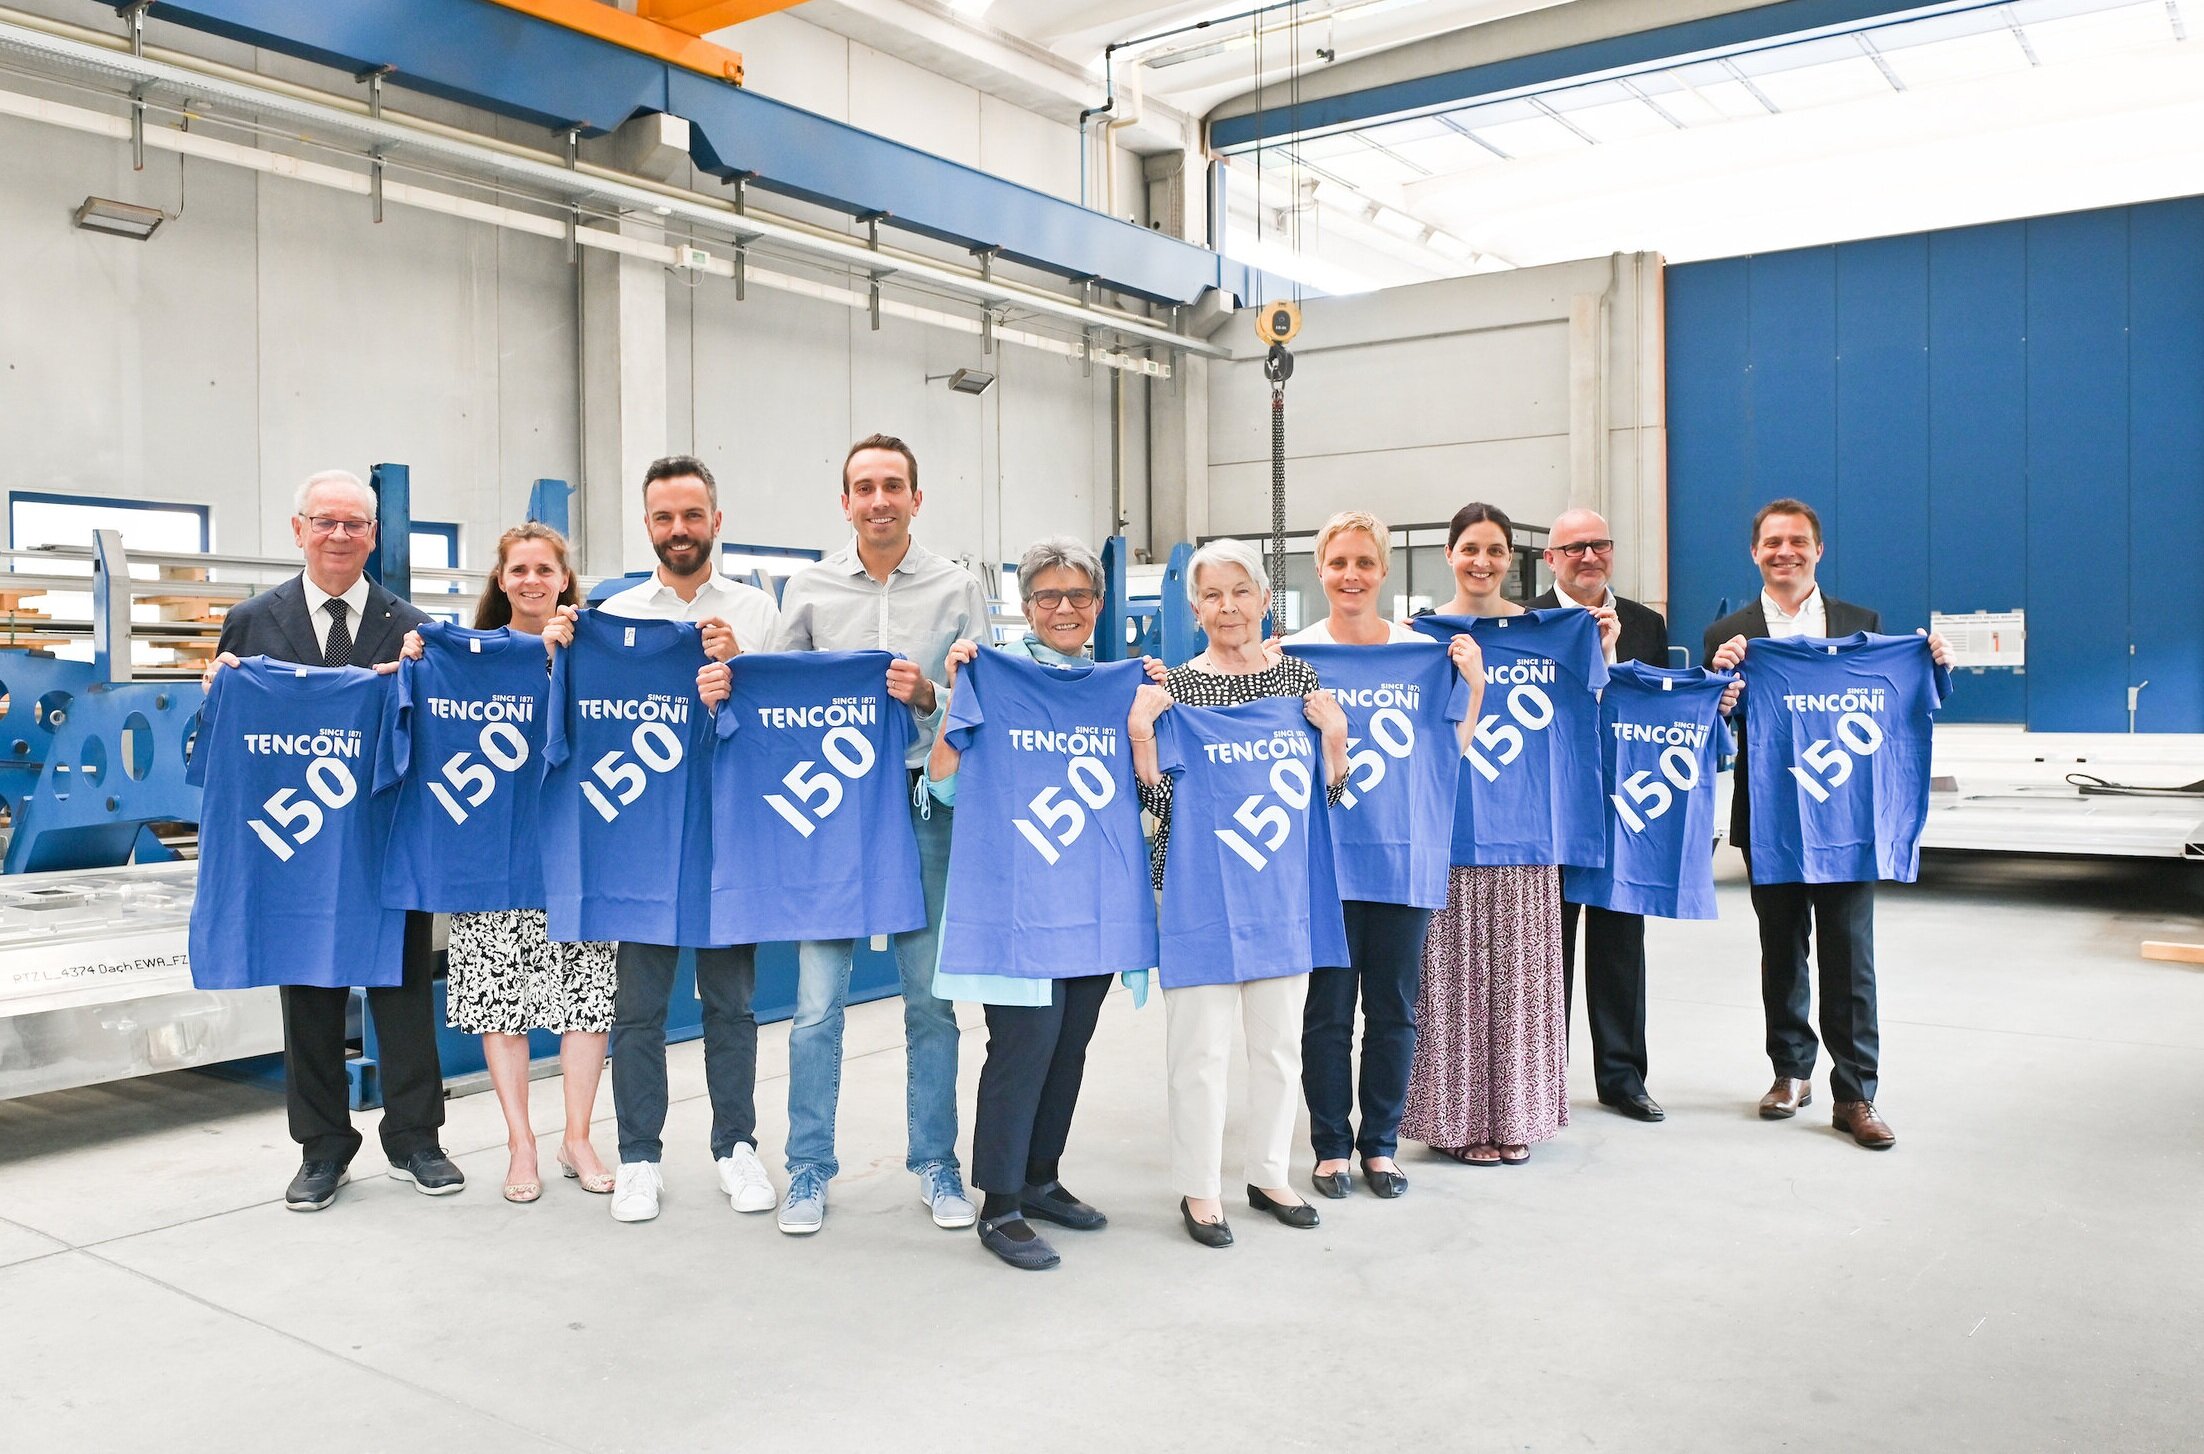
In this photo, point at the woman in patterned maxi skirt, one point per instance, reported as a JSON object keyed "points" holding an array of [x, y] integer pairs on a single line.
{"points": [[1491, 1071]]}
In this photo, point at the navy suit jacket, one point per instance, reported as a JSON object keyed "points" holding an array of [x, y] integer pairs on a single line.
{"points": [[1644, 632], [274, 624]]}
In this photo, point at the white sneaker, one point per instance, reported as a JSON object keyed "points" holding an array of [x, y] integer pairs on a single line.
{"points": [[635, 1191], [743, 1179]]}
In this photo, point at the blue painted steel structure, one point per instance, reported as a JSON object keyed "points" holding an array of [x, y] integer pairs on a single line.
{"points": [[1655, 46], [550, 501], [1986, 418], [501, 60], [113, 765], [391, 567]]}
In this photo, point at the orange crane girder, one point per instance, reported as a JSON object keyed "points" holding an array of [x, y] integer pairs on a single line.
{"points": [[702, 17], [674, 45]]}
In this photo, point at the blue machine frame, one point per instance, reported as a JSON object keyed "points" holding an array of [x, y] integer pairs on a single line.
{"points": [[485, 55]]}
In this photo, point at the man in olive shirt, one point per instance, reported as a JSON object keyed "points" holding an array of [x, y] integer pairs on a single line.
{"points": [[882, 592]]}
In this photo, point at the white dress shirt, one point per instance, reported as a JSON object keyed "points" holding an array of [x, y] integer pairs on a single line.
{"points": [[1811, 619], [750, 611], [317, 609]]}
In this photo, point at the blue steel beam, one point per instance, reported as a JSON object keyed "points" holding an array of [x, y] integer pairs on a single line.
{"points": [[1661, 44], [484, 55]]}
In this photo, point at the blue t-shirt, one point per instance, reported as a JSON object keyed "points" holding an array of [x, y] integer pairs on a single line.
{"points": [[1393, 827], [464, 747], [1837, 736], [1248, 887], [291, 833], [1048, 875], [1658, 740], [1530, 788], [811, 803], [627, 786]]}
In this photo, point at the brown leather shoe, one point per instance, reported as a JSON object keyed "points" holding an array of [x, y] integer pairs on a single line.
{"points": [[1785, 1097], [1867, 1128]]}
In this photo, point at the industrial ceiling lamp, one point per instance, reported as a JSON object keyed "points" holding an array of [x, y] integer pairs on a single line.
{"points": [[119, 219], [965, 381]]}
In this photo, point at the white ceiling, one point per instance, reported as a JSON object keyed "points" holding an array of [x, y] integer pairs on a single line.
{"points": [[2026, 108]]}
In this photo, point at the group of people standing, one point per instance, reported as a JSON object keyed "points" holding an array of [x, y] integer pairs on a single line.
{"points": [[1465, 1008]]}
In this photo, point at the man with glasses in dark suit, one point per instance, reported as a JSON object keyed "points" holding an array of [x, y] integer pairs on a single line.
{"points": [[330, 614], [1580, 551]]}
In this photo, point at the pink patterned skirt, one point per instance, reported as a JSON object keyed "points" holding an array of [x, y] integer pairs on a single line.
{"points": [[1492, 1025]]}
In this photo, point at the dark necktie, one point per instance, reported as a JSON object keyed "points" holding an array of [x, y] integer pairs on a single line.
{"points": [[339, 651]]}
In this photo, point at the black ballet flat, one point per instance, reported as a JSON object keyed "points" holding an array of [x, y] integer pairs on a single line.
{"points": [[1209, 1234], [1302, 1216], [1333, 1184], [1385, 1184]]}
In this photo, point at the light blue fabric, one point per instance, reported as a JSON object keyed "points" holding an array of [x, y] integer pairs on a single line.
{"points": [[1003, 989]]}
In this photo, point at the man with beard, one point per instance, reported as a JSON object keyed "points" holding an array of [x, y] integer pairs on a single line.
{"points": [[681, 510]]}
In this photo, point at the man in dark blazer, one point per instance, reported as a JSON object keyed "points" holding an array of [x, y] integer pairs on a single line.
{"points": [[1787, 546], [1580, 551], [332, 615]]}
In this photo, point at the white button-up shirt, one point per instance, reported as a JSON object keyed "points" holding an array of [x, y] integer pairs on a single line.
{"points": [[1811, 619], [317, 608], [750, 611], [923, 608]]}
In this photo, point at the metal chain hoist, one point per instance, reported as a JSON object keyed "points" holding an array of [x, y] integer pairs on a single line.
{"points": [[1276, 325]]}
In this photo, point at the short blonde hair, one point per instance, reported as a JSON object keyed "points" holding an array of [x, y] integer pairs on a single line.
{"points": [[1218, 553], [1368, 524]]}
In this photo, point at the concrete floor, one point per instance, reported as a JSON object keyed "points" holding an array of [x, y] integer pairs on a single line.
{"points": [[2022, 1272]]}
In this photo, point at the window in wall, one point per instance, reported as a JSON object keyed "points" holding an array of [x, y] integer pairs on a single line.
{"points": [[435, 545], [38, 519], [776, 563]]}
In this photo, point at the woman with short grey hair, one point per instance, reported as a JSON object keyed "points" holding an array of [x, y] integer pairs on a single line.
{"points": [[1037, 1029]]}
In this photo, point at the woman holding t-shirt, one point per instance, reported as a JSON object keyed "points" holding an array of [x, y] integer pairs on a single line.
{"points": [[504, 976], [1490, 1075], [1384, 940], [1230, 592]]}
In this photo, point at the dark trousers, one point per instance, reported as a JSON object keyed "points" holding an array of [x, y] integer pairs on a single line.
{"points": [[316, 1091], [1614, 994], [1029, 1084], [1385, 965], [1844, 916], [724, 981]]}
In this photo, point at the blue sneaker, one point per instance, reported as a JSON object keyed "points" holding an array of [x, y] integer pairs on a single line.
{"points": [[942, 1190], [804, 1209]]}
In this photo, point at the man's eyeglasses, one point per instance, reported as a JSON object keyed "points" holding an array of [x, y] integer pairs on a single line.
{"points": [[350, 529], [1576, 549], [1078, 600]]}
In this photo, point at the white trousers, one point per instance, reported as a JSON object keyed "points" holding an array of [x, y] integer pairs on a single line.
{"points": [[1198, 1040]]}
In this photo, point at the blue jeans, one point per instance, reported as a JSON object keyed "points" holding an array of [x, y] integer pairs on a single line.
{"points": [[929, 1028]]}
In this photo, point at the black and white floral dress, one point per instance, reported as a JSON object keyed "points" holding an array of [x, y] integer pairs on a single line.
{"points": [[504, 976]]}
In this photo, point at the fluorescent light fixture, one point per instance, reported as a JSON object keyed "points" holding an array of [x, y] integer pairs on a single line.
{"points": [[965, 381], [120, 219], [970, 9]]}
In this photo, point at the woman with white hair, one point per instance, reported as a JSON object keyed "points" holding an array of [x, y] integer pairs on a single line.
{"points": [[1230, 592]]}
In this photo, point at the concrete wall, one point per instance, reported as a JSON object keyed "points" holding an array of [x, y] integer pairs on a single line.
{"points": [[274, 329], [1534, 390]]}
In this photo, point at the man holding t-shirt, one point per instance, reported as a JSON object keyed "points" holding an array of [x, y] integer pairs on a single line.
{"points": [[1580, 551], [883, 591], [1787, 546]]}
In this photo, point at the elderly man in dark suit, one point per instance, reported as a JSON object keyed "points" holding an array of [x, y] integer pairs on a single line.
{"points": [[1787, 546], [1580, 551], [330, 614]]}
